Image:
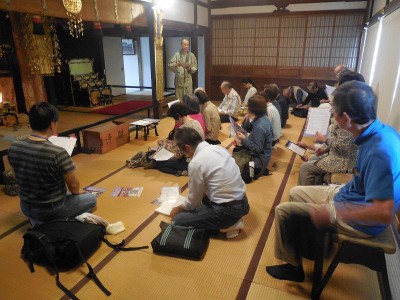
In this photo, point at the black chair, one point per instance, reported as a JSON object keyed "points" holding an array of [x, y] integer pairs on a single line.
{"points": [[369, 252]]}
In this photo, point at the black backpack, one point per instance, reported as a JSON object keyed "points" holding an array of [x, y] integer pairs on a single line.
{"points": [[63, 245]]}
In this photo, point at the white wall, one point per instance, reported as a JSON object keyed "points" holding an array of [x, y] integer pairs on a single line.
{"points": [[131, 69], [201, 62], [202, 16], [146, 67], [114, 63], [185, 13], [380, 66]]}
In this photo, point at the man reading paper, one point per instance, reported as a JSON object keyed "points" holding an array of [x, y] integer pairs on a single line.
{"points": [[217, 194], [44, 171]]}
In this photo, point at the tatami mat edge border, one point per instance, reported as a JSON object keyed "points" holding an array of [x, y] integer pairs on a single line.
{"points": [[130, 237], [15, 228], [255, 260]]}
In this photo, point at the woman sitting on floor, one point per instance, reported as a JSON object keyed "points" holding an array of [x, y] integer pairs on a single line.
{"points": [[178, 164], [257, 146], [193, 105]]}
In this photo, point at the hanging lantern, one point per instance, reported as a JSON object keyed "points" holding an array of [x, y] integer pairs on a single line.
{"points": [[75, 24]]}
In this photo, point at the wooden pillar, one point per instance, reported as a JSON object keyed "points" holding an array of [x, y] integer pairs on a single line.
{"points": [[150, 16], [195, 44], [156, 60]]}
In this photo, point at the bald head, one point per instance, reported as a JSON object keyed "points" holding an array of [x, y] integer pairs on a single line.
{"points": [[339, 68], [185, 45], [226, 87]]}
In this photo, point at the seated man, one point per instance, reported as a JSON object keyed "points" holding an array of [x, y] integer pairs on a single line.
{"points": [[230, 104], [284, 102], [44, 171], [365, 206], [315, 97], [297, 95], [217, 194]]}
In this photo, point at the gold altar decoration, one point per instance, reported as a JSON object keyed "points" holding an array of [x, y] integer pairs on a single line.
{"points": [[43, 51], [75, 24], [158, 40], [116, 11]]}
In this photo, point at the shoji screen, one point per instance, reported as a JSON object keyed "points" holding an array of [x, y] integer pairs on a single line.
{"points": [[383, 73]]}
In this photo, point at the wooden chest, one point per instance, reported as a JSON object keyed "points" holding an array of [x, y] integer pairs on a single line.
{"points": [[106, 137]]}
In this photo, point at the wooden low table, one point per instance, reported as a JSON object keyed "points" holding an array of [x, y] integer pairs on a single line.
{"points": [[145, 125]]}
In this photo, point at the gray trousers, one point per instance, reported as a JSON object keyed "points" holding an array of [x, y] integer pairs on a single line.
{"points": [[71, 206], [302, 200], [213, 216], [310, 174]]}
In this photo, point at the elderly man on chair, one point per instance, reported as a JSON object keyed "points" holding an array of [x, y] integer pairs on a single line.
{"points": [[365, 206]]}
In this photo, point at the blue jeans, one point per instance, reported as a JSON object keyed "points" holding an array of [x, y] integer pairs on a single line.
{"points": [[71, 206], [213, 216]]}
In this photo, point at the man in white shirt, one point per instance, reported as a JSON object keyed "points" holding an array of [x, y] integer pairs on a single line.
{"points": [[231, 103], [217, 194]]}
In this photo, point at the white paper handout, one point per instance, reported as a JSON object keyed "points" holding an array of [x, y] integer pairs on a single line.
{"points": [[163, 155], [166, 207], [169, 193], [66, 142], [173, 102], [317, 121], [141, 123]]}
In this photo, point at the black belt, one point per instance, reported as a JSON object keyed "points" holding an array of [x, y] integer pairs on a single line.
{"points": [[230, 203], [42, 205]]}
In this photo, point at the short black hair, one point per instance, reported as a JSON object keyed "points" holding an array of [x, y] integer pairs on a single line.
{"points": [[178, 110], [192, 102], [348, 75], [257, 105], [357, 99], [187, 136], [248, 80], [41, 115], [271, 92], [202, 96]]}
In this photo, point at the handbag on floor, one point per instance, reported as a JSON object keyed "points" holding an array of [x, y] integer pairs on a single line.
{"points": [[63, 245], [180, 241]]}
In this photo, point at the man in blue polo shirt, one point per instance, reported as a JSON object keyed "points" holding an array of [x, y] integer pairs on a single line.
{"points": [[365, 206]]}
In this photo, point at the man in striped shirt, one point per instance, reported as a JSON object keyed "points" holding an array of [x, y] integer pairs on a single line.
{"points": [[44, 171]]}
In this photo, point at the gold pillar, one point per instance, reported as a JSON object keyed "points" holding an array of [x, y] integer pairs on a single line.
{"points": [[158, 41]]}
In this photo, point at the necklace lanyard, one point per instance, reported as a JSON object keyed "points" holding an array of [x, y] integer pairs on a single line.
{"points": [[40, 137]]}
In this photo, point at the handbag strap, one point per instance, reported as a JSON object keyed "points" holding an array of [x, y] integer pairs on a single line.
{"points": [[120, 246]]}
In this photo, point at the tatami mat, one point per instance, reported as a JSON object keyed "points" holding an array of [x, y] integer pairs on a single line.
{"points": [[144, 275]]}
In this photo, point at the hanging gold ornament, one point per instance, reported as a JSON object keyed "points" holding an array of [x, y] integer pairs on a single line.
{"points": [[75, 23], [116, 11], [8, 6]]}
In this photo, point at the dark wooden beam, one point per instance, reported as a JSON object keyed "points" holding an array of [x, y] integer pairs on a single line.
{"points": [[277, 3]]}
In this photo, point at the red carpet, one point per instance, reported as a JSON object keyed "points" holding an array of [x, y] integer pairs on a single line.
{"points": [[124, 107]]}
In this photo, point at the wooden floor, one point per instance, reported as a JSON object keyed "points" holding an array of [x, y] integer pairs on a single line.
{"points": [[231, 269]]}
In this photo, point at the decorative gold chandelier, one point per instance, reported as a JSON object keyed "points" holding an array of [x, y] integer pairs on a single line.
{"points": [[75, 23]]}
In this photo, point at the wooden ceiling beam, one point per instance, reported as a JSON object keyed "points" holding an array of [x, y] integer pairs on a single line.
{"points": [[277, 3]]}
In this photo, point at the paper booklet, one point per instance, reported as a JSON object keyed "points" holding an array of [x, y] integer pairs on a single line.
{"points": [[173, 102], [317, 121], [236, 127], [66, 142], [169, 198], [185, 65], [94, 190], [166, 207], [163, 155], [295, 148], [145, 122], [127, 191]]}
